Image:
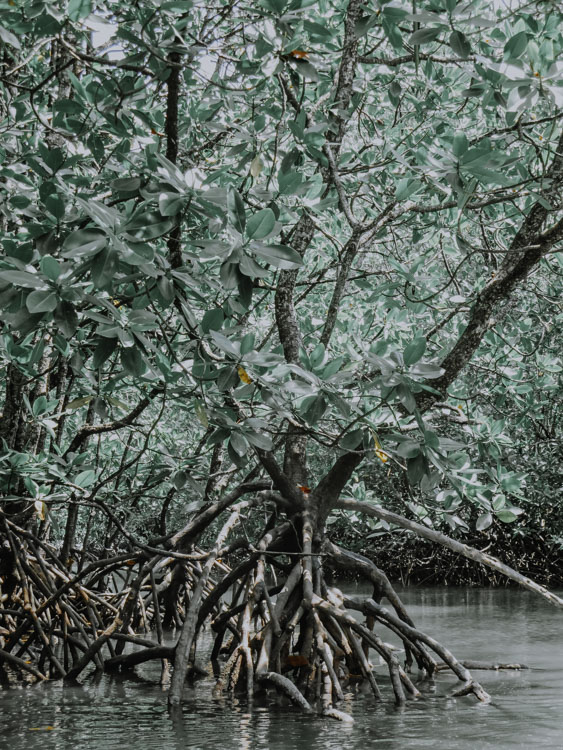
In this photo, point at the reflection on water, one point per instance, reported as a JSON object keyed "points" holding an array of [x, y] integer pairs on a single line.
{"points": [[119, 713]]}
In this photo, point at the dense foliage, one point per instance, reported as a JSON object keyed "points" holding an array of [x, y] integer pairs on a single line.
{"points": [[310, 245]]}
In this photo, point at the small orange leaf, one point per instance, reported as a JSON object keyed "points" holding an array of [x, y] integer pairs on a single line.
{"points": [[304, 489], [299, 54]]}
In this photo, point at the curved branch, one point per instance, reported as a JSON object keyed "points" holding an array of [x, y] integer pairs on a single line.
{"points": [[97, 429], [445, 541], [526, 250], [328, 490], [185, 536]]}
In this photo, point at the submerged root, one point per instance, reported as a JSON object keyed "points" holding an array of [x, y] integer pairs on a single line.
{"points": [[297, 636], [286, 687]]}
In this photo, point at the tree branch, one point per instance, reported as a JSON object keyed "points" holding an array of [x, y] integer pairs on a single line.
{"points": [[445, 541], [97, 429], [527, 248]]}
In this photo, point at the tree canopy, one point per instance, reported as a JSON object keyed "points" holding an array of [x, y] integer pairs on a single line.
{"points": [[306, 251]]}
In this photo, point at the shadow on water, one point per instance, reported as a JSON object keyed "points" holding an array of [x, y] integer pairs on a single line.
{"points": [[126, 711]]}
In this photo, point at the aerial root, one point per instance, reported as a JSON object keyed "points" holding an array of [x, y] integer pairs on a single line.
{"points": [[296, 636], [472, 687], [417, 637], [481, 665], [286, 687]]}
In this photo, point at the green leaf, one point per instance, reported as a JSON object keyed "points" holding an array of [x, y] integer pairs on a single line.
{"points": [[235, 210], [289, 183], [22, 278], [280, 256], [50, 267], [516, 46], [239, 443], [103, 351], [225, 344], [317, 356], [84, 242], [126, 184], [305, 69], [116, 402], [39, 406], [427, 370], [313, 408], [179, 479], [66, 318], [8, 38], [78, 9], [406, 397], [406, 187], [170, 204], [85, 478], [416, 468], [506, 516], [55, 205], [484, 521], [212, 320], [414, 351], [424, 36], [219, 436], [352, 440], [76, 403], [133, 361], [460, 144], [259, 439], [499, 502], [408, 449], [147, 226], [460, 44], [104, 266], [261, 224], [247, 343], [41, 301]]}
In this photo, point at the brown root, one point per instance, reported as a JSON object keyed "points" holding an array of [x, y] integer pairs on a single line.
{"points": [[297, 636]]}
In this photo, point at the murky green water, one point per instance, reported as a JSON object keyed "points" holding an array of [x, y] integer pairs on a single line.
{"points": [[111, 713]]}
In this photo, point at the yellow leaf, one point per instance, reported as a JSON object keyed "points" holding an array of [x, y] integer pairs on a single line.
{"points": [[382, 456], [378, 445], [256, 166], [243, 375], [40, 509], [201, 414]]}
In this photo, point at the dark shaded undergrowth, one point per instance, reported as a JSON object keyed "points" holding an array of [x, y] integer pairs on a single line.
{"points": [[411, 560]]}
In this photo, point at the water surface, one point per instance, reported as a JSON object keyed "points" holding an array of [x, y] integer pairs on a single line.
{"points": [[122, 713]]}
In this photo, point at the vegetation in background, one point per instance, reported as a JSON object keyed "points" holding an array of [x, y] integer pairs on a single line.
{"points": [[270, 269]]}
